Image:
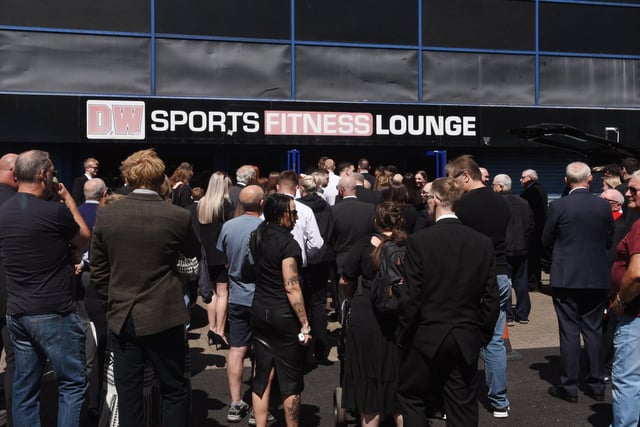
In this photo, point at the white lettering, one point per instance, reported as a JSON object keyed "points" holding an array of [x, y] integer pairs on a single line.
{"points": [[159, 122], [417, 125]]}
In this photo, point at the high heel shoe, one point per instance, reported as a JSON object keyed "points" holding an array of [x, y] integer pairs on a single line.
{"points": [[218, 340]]}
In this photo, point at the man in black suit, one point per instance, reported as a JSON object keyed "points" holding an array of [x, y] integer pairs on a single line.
{"points": [[447, 313], [146, 311], [366, 194], [90, 171], [536, 196], [578, 232], [516, 247], [352, 220]]}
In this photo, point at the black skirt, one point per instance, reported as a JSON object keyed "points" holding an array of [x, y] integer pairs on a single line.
{"points": [[275, 344]]}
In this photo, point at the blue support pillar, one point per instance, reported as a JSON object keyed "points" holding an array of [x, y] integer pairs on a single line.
{"points": [[293, 160], [441, 161]]}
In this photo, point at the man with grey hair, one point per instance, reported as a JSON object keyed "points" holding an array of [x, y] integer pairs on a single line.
{"points": [[35, 241], [536, 196], [245, 175], [94, 190], [615, 200], [517, 244], [578, 232]]}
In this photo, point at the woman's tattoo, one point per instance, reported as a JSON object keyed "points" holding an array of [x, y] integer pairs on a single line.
{"points": [[298, 307], [294, 409]]}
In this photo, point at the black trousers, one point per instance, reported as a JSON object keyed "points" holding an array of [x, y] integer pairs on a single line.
{"points": [[166, 352], [96, 313], [580, 311], [315, 278], [422, 378]]}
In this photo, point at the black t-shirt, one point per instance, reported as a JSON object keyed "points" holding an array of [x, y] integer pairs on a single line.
{"points": [[278, 245], [486, 212], [34, 248]]}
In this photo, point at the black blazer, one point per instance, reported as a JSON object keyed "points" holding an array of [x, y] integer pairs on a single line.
{"points": [[577, 234], [77, 189], [451, 287], [352, 220], [368, 195]]}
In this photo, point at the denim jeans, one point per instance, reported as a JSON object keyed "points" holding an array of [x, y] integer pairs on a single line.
{"points": [[61, 339], [494, 354], [625, 374], [520, 283]]}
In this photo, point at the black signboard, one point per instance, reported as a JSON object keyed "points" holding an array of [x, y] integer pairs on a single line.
{"points": [[76, 119]]}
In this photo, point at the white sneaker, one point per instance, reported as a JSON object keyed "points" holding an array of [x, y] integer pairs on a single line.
{"points": [[237, 411], [501, 412]]}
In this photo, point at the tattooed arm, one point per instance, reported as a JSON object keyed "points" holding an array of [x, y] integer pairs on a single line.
{"points": [[294, 294]]}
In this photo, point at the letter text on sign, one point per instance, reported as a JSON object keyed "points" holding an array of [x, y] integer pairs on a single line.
{"points": [[115, 119], [318, 123]]}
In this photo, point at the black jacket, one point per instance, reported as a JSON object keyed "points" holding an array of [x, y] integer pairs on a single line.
{"points": [[520, 225], [324, 218]]}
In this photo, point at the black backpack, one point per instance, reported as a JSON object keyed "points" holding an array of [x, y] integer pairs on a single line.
{"points": [[388, 283]]}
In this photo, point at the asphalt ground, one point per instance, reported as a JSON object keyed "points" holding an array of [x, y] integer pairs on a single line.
{"points": [[535, 367], [532, 369]]}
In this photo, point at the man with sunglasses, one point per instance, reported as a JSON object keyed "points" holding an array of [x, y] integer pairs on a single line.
{"points": [[625, 280], [487, 212], [90, 171], [577, 234]]}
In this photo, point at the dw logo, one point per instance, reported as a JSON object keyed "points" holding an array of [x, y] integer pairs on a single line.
{"points": [[115, 120]]}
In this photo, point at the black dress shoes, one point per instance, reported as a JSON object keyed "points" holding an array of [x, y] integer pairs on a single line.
{"points": [[558, 393], [596, 397]]}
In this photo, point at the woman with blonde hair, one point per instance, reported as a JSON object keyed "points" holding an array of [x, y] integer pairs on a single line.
{"points": [[316, 273], [213, 210]]}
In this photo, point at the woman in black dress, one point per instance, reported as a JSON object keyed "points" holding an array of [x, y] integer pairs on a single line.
{"points": [[279, 321], [372, 359], [213, 210]]}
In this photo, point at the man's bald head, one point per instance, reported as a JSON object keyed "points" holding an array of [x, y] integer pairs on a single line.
{"points": [[251, 198], [7, 163], [347, 186]]}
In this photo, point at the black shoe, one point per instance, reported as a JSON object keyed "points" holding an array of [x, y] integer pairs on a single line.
{"points": [[596, 397], [558, 393], [219, 341]]}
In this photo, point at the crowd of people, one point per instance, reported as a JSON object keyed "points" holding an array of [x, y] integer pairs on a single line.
{"points": [[99, 283]]}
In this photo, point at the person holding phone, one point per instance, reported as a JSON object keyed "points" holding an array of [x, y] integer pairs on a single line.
{"points": [[280, 326]]}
